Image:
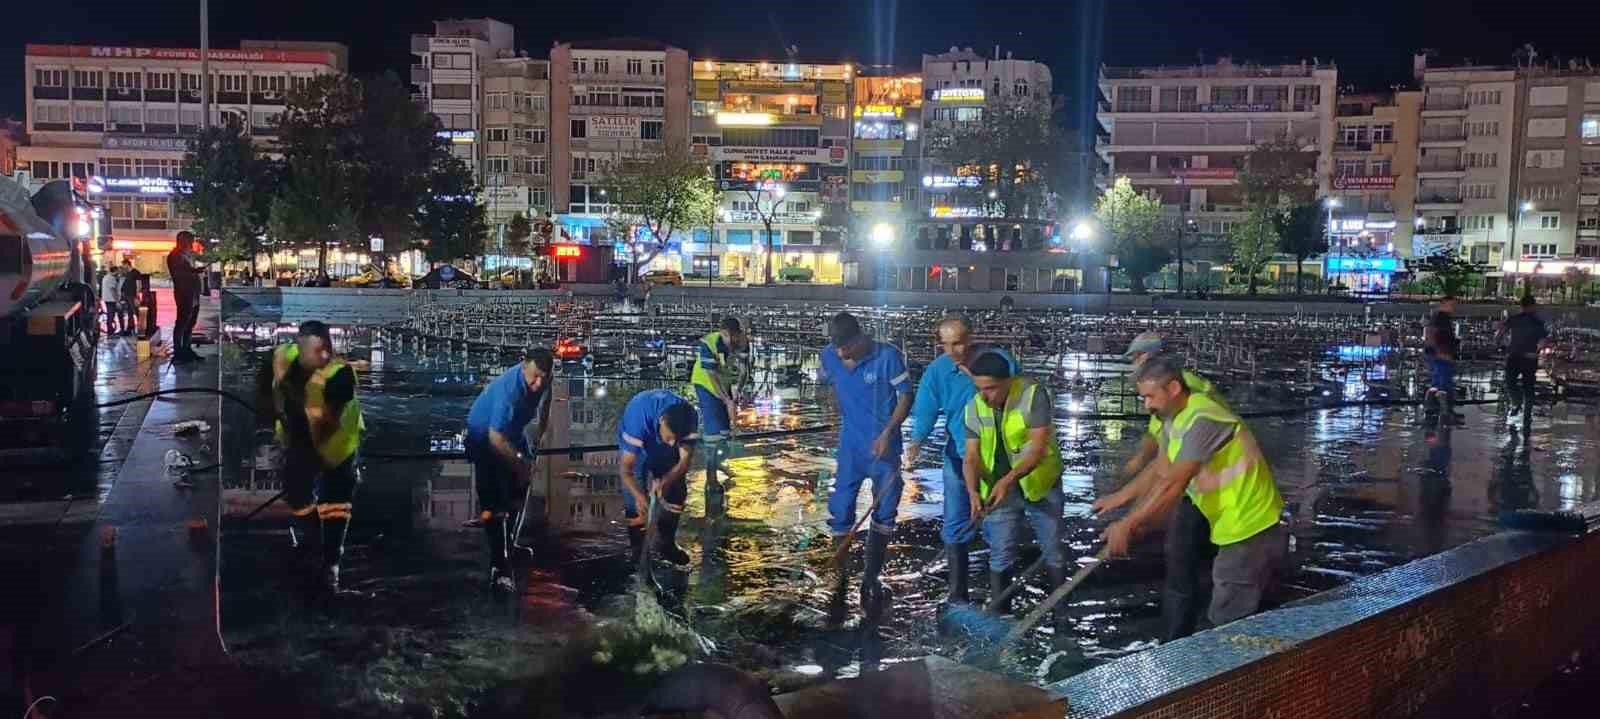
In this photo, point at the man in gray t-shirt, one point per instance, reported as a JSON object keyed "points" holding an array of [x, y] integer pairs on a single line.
{"points": [[1204, 438]]}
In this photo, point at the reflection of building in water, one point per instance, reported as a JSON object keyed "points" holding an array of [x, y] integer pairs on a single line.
{"points": [[582, 493], [450, 499]]}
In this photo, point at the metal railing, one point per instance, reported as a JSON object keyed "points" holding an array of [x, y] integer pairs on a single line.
{"points": [[1444, 103]]}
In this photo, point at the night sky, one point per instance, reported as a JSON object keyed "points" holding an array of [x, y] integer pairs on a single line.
{"points": [[1371, 40]]}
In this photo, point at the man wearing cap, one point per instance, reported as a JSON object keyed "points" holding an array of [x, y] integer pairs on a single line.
{"points": [[1149, 460], [946, 387], [872, 388], [1528, 335]]}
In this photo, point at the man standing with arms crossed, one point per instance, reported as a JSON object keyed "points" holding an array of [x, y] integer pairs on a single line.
{"points": [[1216, 478], [185, 297], [872, 389], [497, 445], [945, 388]]}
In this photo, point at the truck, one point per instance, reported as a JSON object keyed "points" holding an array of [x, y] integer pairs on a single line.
{"points": [[48, 324]]}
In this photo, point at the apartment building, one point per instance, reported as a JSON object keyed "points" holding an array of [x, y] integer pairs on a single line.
{"points": [[120, 119], [515, 141], [1373, 191], [449, 76], [1183, 132], [957, 236], [1557, 171], [608, 99], [1464, 161], [886, 178], [778, 138]]}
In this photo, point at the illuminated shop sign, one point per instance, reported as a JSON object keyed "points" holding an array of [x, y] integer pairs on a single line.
{"points": [[1364, 182], [139, 185], [459, 136], [946, 182], [1363, 264], [951, 213], [959, 94], [1381, 224], [880, 111]]}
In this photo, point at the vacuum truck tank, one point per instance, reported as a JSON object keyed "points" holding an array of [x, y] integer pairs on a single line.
{"points": [[48, 326]]}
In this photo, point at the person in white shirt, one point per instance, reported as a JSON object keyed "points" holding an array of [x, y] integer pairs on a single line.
{"points": [[110, 294]]}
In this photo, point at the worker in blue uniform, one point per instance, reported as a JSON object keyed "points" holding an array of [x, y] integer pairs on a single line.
{"points": [[655, 442], [873, 391], [714, 377], [945, 388], [497, 444]]}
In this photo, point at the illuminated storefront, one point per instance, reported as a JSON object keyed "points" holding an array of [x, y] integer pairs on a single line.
{"points": [[1362, 275]]}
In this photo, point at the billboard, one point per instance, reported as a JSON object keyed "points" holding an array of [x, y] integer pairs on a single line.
{"points": [[1364, 182], [819, 155], [315, 57], [613, 127], [1205, 173]]}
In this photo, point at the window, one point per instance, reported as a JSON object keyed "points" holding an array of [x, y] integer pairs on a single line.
{"points": [[49, 78], [124, 115], [880, 163], [154, 210], [1542, 193], [580, 66], [233, 83], [1020, 87], [1271, 95], [145, 167], [1353, 134], [1307, 95], [1538, 250], [1130, 98], [1479, 190], [116, 167], [269, 83], [78, 169], [1549, 95], [658, 67], [169, 116], [712, 140], [1548, 159], [189, 117], [497, 163], [535, 135], [537, 166], [580, 129], [582, 167], [1230, 95], [1547, 127], [705, 108], [770, 137], [1179, 99], [1484, 128], [536, 195], [635, 66], [522, 164], [1352, 168], [459, 91], [799, 208], [83, 114], [493, 100], [1589, 128], [299, 82], [602, 66], [995, 91], [1381, 168], [1589, 252], [160, 81], [1482, 159], [44, 170], [1478, 223], [124, 80], [86, 78], [497, 134], [1383, 133], [1550, 221], [452, 60], [650, 130]]}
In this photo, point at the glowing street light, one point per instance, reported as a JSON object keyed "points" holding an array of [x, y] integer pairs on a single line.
{"points": [[882, 235], [1083, 231]]}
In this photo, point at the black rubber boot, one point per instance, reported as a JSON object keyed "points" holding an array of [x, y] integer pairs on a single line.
{"points": [[333, 533], [305, 535], [667, 540], [635, 544], [514, 546], [874, 595], [1058, 616], [956, 555], [841, 582], [998, 583], [499, 567]]}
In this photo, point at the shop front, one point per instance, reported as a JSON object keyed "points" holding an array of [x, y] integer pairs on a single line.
{"points": [[1363, 275]]}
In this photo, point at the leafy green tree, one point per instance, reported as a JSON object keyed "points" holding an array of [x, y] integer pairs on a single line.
{"points": [[1135, 231], [665, 191], [232, 188], [1015, 148], [315, 203], [1302, 232], [518, 234], [451, 221], [1254, 241], [1278, 173], [397, 148]]}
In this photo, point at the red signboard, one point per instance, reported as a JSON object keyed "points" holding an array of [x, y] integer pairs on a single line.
{"points": [[1364, 182], [1205, 173], [264, 55], [568, 251]]}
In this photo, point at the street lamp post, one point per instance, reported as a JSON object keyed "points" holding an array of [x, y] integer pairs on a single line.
{"points": [[1183, 228], [1516, 262], [1331, 203]]}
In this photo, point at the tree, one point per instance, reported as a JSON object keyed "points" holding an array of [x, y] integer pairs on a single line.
{"points": [[1254, 242], [231, 191], [1135, 231], [1576, 279], [664, 191], [315, 202], [451, 222], [397, 150], [1014, 148], [1278, 173], [518, 233], [1302, 232]]}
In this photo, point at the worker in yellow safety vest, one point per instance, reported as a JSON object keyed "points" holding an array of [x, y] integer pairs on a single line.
{"points": [[318, 424], [1227, 509], [1012, 467], [714, 379]]}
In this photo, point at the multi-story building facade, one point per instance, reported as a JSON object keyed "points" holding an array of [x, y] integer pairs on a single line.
{"points": [[1183, 132], [609, 99], [449, 74], [886, 176], [1373, 191], [954, 239], [778, 138], [123, 116], [515, 140], [1464, 161], [1556, 172]]}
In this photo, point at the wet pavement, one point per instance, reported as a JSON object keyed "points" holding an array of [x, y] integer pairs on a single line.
{"points": [[1369, 488]]}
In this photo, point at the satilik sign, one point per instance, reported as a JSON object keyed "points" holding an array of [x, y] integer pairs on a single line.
{"points": [[614, 127]]}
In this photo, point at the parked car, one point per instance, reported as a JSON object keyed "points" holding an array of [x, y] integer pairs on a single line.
{"points": [[372, 278], [794, 273], [663, 277]]}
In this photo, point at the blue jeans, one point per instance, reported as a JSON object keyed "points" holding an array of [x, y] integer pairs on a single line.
{"points": [[1444, 374], [1004, 523], [958, 527], [714, 420], [855, 466]]}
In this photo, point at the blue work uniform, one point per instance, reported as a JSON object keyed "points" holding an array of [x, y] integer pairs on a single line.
{"points": [[506, 406], [946, 389], [639, 434], [867, 395]]}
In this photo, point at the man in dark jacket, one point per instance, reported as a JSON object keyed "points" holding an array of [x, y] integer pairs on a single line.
{"points": [[185, 296], [132, 279], [1527, 335]]}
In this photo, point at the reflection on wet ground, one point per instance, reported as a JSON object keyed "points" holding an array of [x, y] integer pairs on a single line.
{"points": [[1368, 489]]}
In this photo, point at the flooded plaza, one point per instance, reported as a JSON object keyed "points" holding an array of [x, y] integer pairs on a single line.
{"points": [[1370, 484]]}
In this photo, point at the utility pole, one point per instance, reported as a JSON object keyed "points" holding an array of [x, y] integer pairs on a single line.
{"points": [[205, 65], [1183, 228]]}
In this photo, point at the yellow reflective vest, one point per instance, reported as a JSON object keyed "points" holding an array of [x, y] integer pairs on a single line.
{"points": [[342, 444], [1013, 425], [701, 377], [1234, 489], [1196, 385]]}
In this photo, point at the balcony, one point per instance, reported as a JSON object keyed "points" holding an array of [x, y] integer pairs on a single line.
{"points": [[1362, 146], [1589, 169], [618, 76], [41, 92], [1444, 103], [421, 74], [1443, 134], [1431, 197], [88, 93], [578, 110], [419, 44], [1441, 166]]}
